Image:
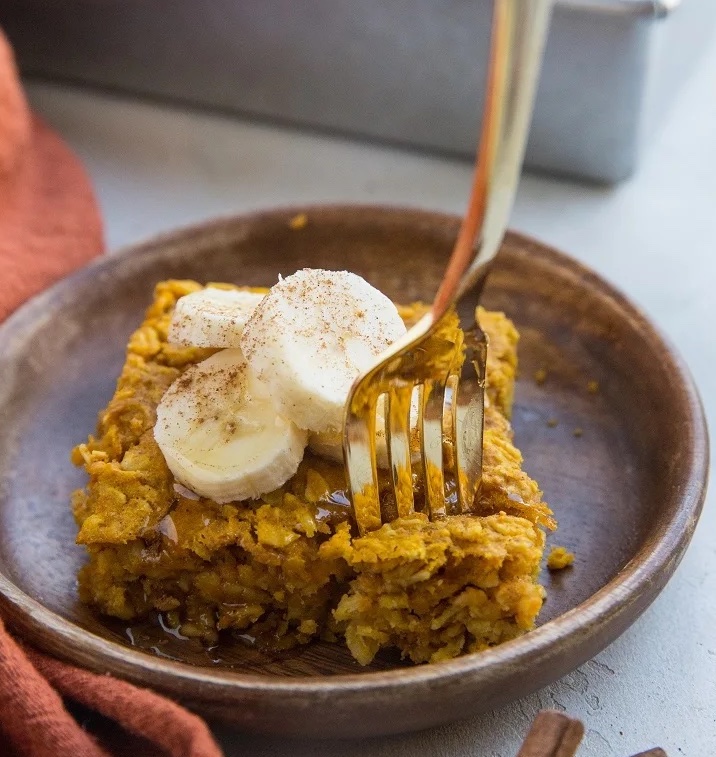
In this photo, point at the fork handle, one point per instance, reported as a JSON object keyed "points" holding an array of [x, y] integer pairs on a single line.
{"points": [[519, 30]]}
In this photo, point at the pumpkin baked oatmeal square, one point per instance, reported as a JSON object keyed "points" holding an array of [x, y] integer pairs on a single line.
{"points": [[288, 567]]}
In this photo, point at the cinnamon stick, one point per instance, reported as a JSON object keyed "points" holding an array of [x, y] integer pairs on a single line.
{"points": [[553, 734]]}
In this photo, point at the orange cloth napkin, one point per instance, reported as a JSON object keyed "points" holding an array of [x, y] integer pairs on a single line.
{"points": [[50, 225]]}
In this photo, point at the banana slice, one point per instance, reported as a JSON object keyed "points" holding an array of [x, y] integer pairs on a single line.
{"points": [[220, 434], [329, 444], [311, 336], [212, 317]]}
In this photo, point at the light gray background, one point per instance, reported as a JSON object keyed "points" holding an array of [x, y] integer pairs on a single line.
{"points": [[155, 168]]}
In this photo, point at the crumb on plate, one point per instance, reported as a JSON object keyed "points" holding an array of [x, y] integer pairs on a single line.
{"points": [[559, 558], [298, 222]]}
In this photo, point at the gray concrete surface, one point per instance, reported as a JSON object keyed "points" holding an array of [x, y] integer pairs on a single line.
{"points": [[655, 237]]}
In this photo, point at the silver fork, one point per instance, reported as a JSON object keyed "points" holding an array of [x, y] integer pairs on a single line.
{"points": [[426, 357]]}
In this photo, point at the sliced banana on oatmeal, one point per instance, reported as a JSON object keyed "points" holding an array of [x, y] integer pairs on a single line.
{"points": [[212, 317], [310, 338], [220, 434]]}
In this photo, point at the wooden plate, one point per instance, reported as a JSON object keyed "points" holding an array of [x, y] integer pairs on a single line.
{"points": [[627, 492]]}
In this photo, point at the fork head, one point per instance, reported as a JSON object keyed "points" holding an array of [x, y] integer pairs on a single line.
{"points": [[445, 366]]}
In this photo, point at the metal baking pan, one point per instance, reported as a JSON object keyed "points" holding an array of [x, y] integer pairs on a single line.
{"points": [[405, 71]]}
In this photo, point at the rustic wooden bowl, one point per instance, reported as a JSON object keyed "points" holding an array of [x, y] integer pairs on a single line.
{"points": [[627, 492]]}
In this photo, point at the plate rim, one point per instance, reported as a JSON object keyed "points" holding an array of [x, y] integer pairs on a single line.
{"points": [[639, 581]]}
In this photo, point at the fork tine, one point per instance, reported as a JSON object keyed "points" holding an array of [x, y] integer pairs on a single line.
{"points": [[359, 456], [468, 423], [430, 425], [397, 436]]}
